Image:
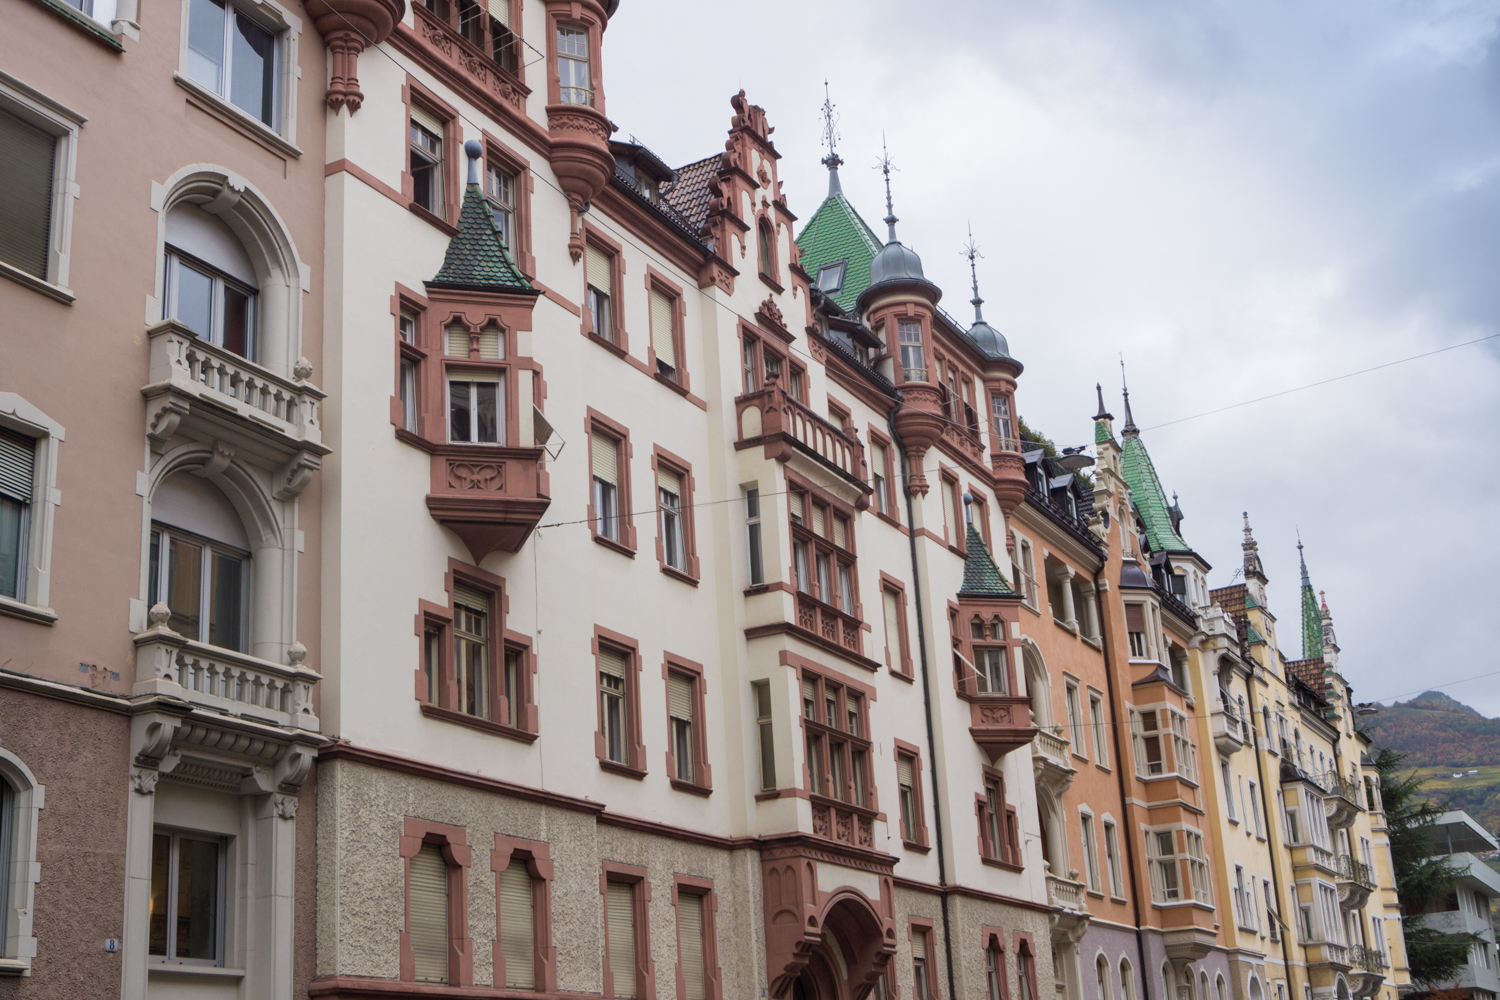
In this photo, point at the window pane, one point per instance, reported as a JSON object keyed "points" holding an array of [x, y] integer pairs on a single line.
{"points": [[161, 861], [226, 602], [195, 299], [12, 517], [26, 159], [459, 418], [205, 60], [486, 411], [197, 899], [254, 69], [236, 321], [185, 587], [409, 396]]}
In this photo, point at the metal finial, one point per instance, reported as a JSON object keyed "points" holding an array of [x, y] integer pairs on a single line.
{"points": [[474, 151], [885, 166], [1130, 428], [971, 250], [830, 131]]}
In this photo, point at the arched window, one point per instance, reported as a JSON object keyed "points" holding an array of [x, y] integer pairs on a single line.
{"points": [[1127, 980], [21, 799], [1203, 993], [200, 562], [767, 249], [1256, 993], [211, 286], [1221, 988], [1101, 977]]}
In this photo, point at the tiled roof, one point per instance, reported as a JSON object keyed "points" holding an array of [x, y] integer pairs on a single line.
{"points": [[1309, 672], [982, 578], [477, 258], [1252, 636], [689, 194], [1101, 432], [1231, 599], [835, 232], [1146, 491]]}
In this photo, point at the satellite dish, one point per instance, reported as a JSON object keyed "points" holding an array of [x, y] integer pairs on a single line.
{"points": [[1074, 459]]}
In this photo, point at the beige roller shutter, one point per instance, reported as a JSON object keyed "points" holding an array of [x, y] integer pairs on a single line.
{"points": [[817, 520], [491, 344], [948, 525], [470, 598], [27, 156], [517, 937], [458, 342], [903, 772], [690, 944], [669, 481], [17, 466], [838, 533], [429, 121], [596, 268], [892, 631], [1135, 618], [500, 11], [661, 328], [604, 451], [612, 662], [794, 500], [680, 697], [809, 692], [427, 923], [877, 458], [621, 914]]}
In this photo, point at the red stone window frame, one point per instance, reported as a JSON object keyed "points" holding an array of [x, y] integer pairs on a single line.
{"points": [[757, 349], [414, 304], [839, 416], [678, 381], [961, 632], [767, 236], [997, 444], [618, 343], [1025, 950], [955, 516], [536, 856], [703, 888], [802, 532], [574, 14], [507, 650], [831, 748], [690, 670], [928, 956], [992, 943], [595, 421], [455, 365], [412, 92], [892, 512], [1007, 853], [663, 460], [904, 669], [888, 318], [919, 805], [502, 155], [634, 765], [456, 852], [645, 968]]}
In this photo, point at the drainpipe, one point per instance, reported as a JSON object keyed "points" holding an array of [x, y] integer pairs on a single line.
{"points": [[937, 798], [1260, 770], [1129, 838]]}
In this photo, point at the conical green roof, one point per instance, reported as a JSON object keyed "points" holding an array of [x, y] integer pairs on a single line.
{"points": [[1312, 615], [982, 578], [1146, 491], [477, 259], [835, 232]]}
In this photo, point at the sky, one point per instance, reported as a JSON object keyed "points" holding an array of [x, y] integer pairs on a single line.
{"points": [[1237, 199]]}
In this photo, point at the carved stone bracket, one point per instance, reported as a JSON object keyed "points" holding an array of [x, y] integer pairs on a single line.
{"points": [[347, 27]]}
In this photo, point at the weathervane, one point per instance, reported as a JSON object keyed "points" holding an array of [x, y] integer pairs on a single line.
{"points": [[885, 166], [830, 131], [971, 250]]}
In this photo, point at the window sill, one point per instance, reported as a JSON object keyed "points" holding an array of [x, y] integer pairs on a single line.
{"points": [[912, 845], [1091, 640], [15, 966], [678, 574], [83, 23], [1118, 899], [34, 283], [769, 795], [27, 612], [907, 676], [1066, 626], [1005, 865], [888, 519], [217, 971], [1032, 609], [1095, 893], [414, 439], [1105, 768], [607, 344], [441, 223], [1079, 756], [623, 770], [610, 543], [692, 788], [771, 283], [474, 722], [207, 101]]}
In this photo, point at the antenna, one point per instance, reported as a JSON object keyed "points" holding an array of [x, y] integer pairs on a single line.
{"points": [[830, 131], [885, 166], [971, 250]]}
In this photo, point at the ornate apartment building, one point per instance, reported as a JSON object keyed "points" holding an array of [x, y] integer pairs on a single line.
{"points": [[498, 563]]}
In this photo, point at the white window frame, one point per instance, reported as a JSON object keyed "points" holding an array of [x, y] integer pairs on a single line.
{"points": [[210, 548], [674, 547], [287, 27], [1100, 727], [222, 913], [1112, 857], [30, 796], [472, 379], [754, 536], [1229, 810], [36, 108], [21, 417], [1075, 718], [1089, 831]]}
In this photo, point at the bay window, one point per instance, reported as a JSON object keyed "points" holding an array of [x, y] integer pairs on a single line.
{"points": [[838, 744], [574, 85], [199, 562], [822, 543]]}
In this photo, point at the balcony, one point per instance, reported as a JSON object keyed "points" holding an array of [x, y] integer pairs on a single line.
{"points": [[1368, 965], [1050, 760], [1327, 955], [223, 680], [490, 497], [1229, 730], [1342, 803], [783, 425], [1355, 882], [1000, 723], [1070, 915], [212, 395], [1313, 856]]}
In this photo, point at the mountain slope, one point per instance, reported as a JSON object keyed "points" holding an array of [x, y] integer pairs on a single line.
{"points": [[1443, 735]]}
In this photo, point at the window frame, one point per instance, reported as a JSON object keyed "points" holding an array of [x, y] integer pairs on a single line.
{"points": [[44, 113], [34, 590], [160, 566], [1088, 831], [594, 421], [992, 942], [1025, 951], [221, 900], [640, 894], [918, 798], [801, 533], [281, 136], [617, 340], [1112, 857], [633, 740], [1100, 726], [663, 460], [445, 215], [703, 888], [905, 670], [928, 959], [659, 283], [453, 842], [765, 725], [997, 818], [284, 51], [536, 855], [408, 304], [831, 739], [557, 25], [755, 541], [885, 504], [22, 868], [701, 783], [767, 250]]}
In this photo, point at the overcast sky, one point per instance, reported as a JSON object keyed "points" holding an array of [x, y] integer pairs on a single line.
{"points": [[1240, 198]]}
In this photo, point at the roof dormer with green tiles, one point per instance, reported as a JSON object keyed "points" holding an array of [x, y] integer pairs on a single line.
{"points": [[837, 233]]}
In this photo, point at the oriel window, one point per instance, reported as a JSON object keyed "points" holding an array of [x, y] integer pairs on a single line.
{"points": [[574, 86], [204, 583], [913, 362]]}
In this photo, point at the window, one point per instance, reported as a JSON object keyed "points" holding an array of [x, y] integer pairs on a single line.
{"points": [[921, 987], [994, 973], [469, 673], [1112, 859], [1228, 790], [614, 718], [907, 780], [1377, 937], [998, 838], [235, 57], [692, 952], [1101, 978], [1090, 853], [913, 364], [210, 283], [993, 671], [17, 489], [1022, 574], [504, 46], [880, 477], [1101, 730], [669, 501], [767, 732], [1025, 972], [36, 173], [1161, 858], [1184, 754], [471, 642], [1244, 902], [830, 279], [1075, 719], [476, 407], [604, 453], [620, 927], [752, 537], [895, 635], [500, 189], [574, 85], [766, 247], [1289, 813], [516, 889], [1198, 868], [836, 728], [406, 328], [599, 275], [187, 898], [748, 350], [1146, 739], [1127, 980], [200, 572], [1255, 812], [664, 333], [1135, 631], [1332, 917], [425, 156], [823, 556], [1273, 918], [685, 737], [951, 520]]}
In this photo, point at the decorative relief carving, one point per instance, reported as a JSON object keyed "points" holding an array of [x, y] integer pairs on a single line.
{"points": [[472, 65], [286, 806], [866, 833], [820, 820], [773, 312], [144, 780], [562, 120], [484, 476], [845, 827], [995, 715]]}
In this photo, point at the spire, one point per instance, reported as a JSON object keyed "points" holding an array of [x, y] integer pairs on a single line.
{"points": [[1330, 642], [477, 258], [1104, 427], [972, 251], [830, 139], [982, 578], [1103, 414], [886, 167], [1253, 570], [1130, 430], [1312, 618]]}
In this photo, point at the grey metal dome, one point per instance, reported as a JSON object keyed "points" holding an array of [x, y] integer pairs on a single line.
{"points": [[895, 262], [989, 340]]}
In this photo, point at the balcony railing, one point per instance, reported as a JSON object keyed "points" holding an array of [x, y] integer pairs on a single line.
{"points": [[771, 413], [1341, 786], [1229, 731], [224, 680], [1065, 894], [1353, 870], [1068, 520], [1315, 855], [1366, 959]]}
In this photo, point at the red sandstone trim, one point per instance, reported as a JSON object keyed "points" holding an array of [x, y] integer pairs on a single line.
{"points": [[624, 507], [663, 459], [645, 968], [686, 885], [536, 855], [635, 752], [919, 797], [454, 843], [369, 179], [702, 783]]}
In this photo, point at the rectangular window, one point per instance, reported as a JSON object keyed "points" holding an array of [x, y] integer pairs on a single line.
{"points": [[1198, 868], [187, 898], [432, 664], [500, 189], [1255, 811], [613, 725], [878, 477], [1101, 730], [504, 46], [409, 395], [1273, 918], [838, 747], [752, 537], [748, 364], [207, 301], [471, 651], [669, 504], [235, 57], [994, 975], [1005, 434], [663, 335], [913, 363], [1147, 740], [599, 274], [476, 408], [517, 924], [1161, 858], [1135, 630], [950, 523], [425, 156], [1290, 814], [620, 918], [603, 456], [427, 913], [895, 639], [27, 167], [203, 583], [1112, 858], [574, 86], [991, 819], [1075, 720], [767, 734], [906, 782], [921, 989], [1184, 754], [1090, 852], [690, 946], [993, 674], [680, 719], [1228, 790], [17, 488]]}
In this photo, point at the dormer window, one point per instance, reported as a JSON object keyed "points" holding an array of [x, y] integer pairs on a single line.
{"points": [[210, 283], [831, 277], [574, 86]]}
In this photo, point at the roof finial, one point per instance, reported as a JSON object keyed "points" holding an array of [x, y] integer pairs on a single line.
{"points": [[1103, 414], [830, 139], [1130, 430], [885, 166], [971, 250], [473, 150]]}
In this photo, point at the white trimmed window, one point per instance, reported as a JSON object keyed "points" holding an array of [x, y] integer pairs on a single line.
{"points": [[753, 536], [21, 800], [1161, 861], [200, 562], [210, 284], [767, 733], [187, 898], [38, 150], [1112, 859], [1101, 730], [476, 407], [237, 56], [1090, 852], [1198, 867]]}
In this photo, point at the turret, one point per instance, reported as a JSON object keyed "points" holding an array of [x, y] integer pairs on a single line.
{"points": [[1000, 372], [1255, 576], [1330, 642]]}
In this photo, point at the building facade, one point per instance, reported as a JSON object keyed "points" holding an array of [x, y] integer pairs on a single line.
{"points": [[1467, 911]]}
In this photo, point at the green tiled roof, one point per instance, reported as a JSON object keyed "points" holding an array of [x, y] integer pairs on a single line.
{"points": [[834, 232], [1251, 635], [1101, 432], [1312, 616], [1146, 491], [477, 258], [982, 578]]}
